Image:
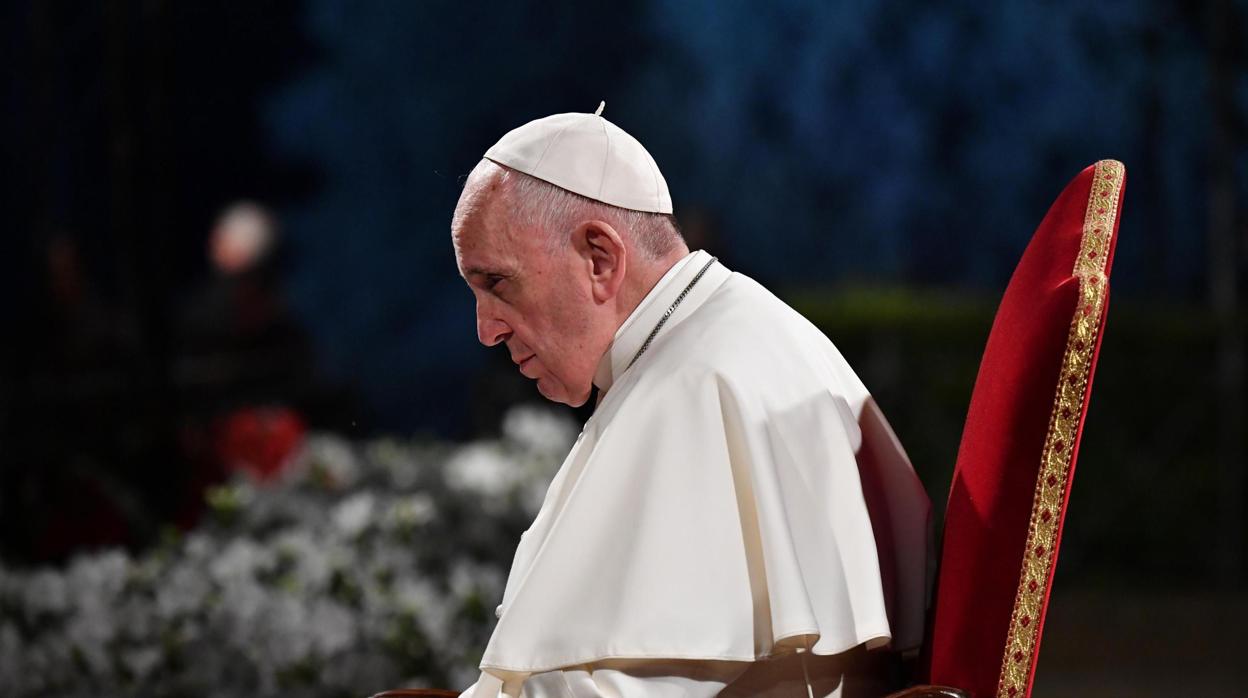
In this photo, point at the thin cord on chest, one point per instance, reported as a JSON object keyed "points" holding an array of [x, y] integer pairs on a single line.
{"points": [[670, 309]]}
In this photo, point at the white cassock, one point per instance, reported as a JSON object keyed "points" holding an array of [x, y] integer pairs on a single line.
{"points": [[709, 534]]}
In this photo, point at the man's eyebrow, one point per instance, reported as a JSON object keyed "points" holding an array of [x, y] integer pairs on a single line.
{"points": [[485, 271], [477, 271]]}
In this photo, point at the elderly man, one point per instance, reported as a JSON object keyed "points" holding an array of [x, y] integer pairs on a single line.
{"points": [[736, 518]]}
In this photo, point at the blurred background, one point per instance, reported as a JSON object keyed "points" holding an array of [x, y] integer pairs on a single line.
{"points": [[235, 339]]}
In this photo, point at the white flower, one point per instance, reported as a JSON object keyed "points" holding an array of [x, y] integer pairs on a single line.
{"points": [[539, 430], [413, 510], [183, 592], [240, 608], [422, 599], [533, 496], [289, 581], [90, 630], [326, 456], [46, 592], [240, 560], [198, 547], [469, 578], [312, 568], [400, 462], [287, 635], [101, 575], [352, 516], [141, 661], [482, 468], [11, 651], [334, 628], [543, 437]]}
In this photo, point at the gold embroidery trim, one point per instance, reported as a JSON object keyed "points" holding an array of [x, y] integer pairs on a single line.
{"points": [[1047, 504]]}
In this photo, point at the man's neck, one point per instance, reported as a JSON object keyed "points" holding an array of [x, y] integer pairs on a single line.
{"points": [[640, 287], [649, 275]]}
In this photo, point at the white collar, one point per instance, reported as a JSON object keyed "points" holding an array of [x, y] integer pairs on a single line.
{"points": [[634, 330]]}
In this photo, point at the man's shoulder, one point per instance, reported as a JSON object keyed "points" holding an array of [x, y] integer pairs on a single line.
{"points": [[746, 322], [741, 294], [746, 338]]}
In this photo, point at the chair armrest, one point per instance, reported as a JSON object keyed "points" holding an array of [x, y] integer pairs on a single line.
{"points": [[929, 692], [417, 693]]}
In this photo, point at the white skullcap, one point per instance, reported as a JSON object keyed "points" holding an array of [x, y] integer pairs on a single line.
{"points": [[588, 155]]}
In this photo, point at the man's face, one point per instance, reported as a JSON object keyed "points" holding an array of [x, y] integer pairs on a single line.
{"points": [[532, 300]]}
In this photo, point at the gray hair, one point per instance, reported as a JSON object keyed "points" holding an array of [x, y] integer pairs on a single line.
{"points": [[555, 210]]}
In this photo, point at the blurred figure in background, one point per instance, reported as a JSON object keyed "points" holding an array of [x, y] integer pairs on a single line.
{"points": [[244, 365], [240, 307]]}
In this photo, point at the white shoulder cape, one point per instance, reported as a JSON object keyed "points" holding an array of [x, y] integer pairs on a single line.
{"points": [[712, 507]]}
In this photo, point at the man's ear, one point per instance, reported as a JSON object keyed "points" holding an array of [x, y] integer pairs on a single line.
{"points": [[605, 260]]}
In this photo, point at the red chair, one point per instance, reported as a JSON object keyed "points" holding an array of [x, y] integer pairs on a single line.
{"points": [[1007, 503], [1008, 499]]}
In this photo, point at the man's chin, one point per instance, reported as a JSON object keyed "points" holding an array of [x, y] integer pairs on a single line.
{"points": [[556, 392], [578, 401]]}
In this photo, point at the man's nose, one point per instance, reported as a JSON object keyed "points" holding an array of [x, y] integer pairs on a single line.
{"points": [[490, 329]]}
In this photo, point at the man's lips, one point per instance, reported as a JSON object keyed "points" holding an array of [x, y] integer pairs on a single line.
{"points": [[523, 362]]}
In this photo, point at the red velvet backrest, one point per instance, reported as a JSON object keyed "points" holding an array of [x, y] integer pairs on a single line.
{"points": [[1008, 499]]}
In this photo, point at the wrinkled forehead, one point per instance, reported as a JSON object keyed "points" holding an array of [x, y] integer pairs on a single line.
{"points": [[482, 229], [482, 185]]}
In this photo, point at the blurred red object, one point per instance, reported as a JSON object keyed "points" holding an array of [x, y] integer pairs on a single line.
{"points": [[258, 440]]}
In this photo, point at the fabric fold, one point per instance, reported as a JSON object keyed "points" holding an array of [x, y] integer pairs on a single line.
{"points": [[712, 507]]}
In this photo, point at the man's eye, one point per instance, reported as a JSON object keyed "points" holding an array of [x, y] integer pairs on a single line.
{"points": [[492, 280]]}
